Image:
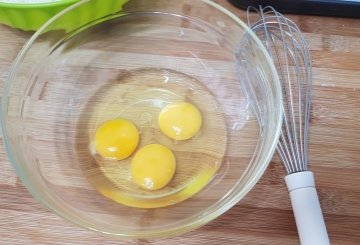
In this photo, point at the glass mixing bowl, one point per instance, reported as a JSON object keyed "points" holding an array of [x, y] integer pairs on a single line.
{"points": [[67, 81]]}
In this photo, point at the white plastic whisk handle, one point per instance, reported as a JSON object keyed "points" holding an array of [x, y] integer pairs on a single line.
{"points": [[306, 207]]}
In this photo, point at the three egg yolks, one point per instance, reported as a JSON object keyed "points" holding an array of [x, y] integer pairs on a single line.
{"points": [[154, 165]]}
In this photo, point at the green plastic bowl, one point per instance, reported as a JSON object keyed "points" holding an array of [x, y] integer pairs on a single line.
{"points": [[31, 16]]}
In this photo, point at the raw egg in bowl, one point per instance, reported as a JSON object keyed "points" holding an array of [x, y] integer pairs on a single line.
{"points": [[146, 123]]}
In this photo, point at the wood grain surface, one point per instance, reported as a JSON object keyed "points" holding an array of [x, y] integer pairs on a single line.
{"points": [[265, 215]]}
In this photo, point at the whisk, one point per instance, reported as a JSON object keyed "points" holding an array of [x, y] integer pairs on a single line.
{"points": [[288, 49]]}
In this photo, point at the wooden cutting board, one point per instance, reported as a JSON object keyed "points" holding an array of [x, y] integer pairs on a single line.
{"points": [[265, 215]]}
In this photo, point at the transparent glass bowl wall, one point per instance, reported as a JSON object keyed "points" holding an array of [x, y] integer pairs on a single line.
{"points": [[58, 72]]}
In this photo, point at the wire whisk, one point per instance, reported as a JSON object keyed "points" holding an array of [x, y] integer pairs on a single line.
{"points": [[288, 48]]}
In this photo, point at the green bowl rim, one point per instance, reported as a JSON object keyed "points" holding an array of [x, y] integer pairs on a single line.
{"points": [[37, 5]]}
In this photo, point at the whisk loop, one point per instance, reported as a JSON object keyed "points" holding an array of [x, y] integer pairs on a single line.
{"points": [[287, 46]]}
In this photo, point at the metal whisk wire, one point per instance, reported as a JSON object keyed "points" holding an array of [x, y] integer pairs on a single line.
{"points": [[282, 40], [289, 51]]}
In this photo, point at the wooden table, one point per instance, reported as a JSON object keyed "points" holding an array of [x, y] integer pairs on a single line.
{"points": [[265, 215]]}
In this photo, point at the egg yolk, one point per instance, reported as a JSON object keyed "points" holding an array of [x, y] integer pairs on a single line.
{"points": [[116, 139], [180, 121], [153, 166]]}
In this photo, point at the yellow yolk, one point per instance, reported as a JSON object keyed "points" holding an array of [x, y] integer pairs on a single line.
{"points": [[116, 139], [153, 166], [180, 121]]}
